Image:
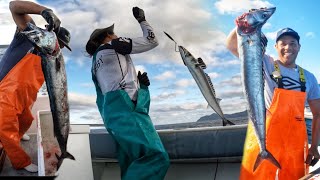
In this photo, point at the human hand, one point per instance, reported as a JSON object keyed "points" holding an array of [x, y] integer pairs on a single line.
{"points": [[53, 21], [313, 156], [138, 14], [143, 78]]}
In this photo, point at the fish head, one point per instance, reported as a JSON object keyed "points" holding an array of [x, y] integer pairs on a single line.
{"points": [[45, 41], [187, 57], [253, 20]]}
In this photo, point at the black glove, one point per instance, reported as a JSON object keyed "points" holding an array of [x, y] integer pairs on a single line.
{"points": [[53, 21], [138, 14], [143, 79]]}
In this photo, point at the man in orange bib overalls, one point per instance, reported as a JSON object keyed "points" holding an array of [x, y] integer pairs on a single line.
{"points": [[20, 79], [287, 88]]}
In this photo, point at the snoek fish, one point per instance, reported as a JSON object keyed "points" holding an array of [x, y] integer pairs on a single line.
{"points": [[53, 68], [196, 68], [251, 53]]}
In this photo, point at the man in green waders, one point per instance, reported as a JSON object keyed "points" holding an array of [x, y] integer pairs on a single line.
{"points": [[123, 100]]}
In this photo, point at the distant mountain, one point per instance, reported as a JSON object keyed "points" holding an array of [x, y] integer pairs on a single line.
{"points": [[213, 117]]}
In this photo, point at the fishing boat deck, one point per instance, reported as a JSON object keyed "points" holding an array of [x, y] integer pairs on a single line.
{"points": [[8, 170], [78, 146]]}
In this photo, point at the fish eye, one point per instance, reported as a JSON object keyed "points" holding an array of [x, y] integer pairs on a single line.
{"points": [[264, 16], [36, 39]]}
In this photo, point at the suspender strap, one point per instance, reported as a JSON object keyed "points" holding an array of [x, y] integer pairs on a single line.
{"points": [[302, 79], [278, 78]]}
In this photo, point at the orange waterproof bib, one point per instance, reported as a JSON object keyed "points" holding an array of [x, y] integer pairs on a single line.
{"points": [[18, 91], [286, 138]]}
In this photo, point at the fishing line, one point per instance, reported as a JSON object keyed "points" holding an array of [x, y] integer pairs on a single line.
{"points": [[175, 47]]}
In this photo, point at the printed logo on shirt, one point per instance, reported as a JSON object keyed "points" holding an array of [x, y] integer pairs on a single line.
{"points": [[151, 35], [289, 83], [97, 64]]}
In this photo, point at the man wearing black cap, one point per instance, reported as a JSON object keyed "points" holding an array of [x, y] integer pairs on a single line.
{"points": [[287, 88], [123, 100], [20, 79]]}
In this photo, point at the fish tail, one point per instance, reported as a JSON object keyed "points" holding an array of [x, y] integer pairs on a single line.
{"points": [[226, 121], [62, 157], [268, 156]]}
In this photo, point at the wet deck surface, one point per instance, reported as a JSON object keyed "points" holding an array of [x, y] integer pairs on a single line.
{"points": [[31, 148]]}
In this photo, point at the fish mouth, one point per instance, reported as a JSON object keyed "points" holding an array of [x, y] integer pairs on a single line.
{"points": [[184, 53], [270, 11], [249, 22], [36, 35]]}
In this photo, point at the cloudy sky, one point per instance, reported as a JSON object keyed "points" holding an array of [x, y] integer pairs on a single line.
{"points": [[201, 26]]}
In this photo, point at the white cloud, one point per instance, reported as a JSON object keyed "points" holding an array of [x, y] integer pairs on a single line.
{"points": [[185, 83], [271, 35], [7, 25], [83, 109], [310, 35], [236, 92], [239, 6], [196, 34], [140, 68], [213, 75], [233, 81], [77, 100], [166, 95], [165, 76], [267, 25]]}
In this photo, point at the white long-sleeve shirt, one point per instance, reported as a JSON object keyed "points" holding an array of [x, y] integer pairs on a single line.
{"points": [[113, 67]]}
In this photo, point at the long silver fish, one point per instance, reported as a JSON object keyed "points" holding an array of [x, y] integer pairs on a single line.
{"points": [[196, 68], [53, 68], [250, 52]]}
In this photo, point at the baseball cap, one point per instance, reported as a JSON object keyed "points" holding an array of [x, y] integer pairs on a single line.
{"points": [[289, 32], [64, 36]]}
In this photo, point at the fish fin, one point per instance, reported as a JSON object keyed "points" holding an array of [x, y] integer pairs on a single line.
{"points": [[268, 157], [70, 156], [226, 121], [201, 63], [218, 100], [210, 84], [62, 157]]}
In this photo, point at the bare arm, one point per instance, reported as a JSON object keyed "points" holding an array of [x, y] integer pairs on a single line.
{"points": [[315, 109], [20, 11], [232, 42]]}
